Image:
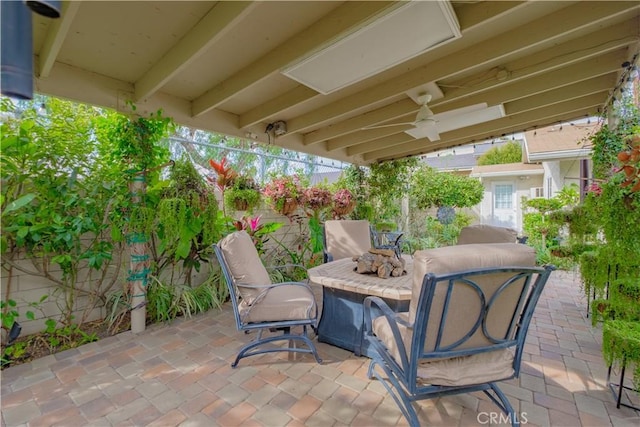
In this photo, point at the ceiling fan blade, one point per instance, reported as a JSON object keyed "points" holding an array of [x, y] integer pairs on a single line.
{"points": [[426, 129], [388, 125]]}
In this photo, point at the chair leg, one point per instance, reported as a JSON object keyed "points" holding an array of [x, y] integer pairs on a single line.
{"points": [[396, 391], [503, 403], [245, 351]]}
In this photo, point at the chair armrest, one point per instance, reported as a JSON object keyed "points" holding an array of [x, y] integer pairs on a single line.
{"points": [[246, 285], [393, 319]]}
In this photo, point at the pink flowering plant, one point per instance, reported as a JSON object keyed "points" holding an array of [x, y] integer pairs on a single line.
{"points": [[343, 203], [284, 190], [595, 189], [317, 198]]}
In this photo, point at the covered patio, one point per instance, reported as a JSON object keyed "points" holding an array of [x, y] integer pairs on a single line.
{"points": [[180, 374], [264, 71], [341, 79]]}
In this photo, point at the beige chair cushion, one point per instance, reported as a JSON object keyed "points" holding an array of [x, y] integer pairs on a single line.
{"points": [[464, 307], [347, 238], [482, 233], [282, 302], [244, 264], [474, 369], [382, 330]]}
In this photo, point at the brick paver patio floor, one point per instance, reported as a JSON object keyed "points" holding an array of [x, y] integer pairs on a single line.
{"points": [[179, 374]]}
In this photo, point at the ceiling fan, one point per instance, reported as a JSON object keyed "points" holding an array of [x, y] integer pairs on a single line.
{"points": [[429, 125], [424, 123]]}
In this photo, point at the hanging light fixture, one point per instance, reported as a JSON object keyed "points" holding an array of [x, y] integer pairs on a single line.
{"points": [[16, 50], [48, 8], [16, 56]]}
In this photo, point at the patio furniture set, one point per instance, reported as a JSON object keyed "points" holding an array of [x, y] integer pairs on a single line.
{"points": [[455, 323]]}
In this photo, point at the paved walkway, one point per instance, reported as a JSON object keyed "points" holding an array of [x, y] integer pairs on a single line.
{"points": [[179, 374]]}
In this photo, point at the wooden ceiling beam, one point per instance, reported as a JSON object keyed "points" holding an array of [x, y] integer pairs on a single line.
{"points": [[560, 118], [478, 132], [55, 37], [606, 64], [574, 76], [532, 36], [379, 144], [523, 82], [344, 19], [389, 112], [222, 16], [596, 85], [275, 106]]}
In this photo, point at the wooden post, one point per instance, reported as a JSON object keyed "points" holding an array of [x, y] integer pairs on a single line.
{"points": [[139, 260]]}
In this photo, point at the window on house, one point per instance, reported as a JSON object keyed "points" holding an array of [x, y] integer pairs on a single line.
{"points": [[503, 197], [537, 192]]}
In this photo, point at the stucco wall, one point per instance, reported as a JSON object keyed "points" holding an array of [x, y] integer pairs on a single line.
{"points": [[26, 288]]}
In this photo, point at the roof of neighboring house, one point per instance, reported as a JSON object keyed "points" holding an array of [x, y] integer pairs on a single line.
{"points": [[452, 161], [508, 169], [322, 177], [558, 142]]}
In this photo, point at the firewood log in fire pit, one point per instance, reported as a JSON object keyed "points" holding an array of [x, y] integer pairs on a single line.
{"points": [[383, 262]]}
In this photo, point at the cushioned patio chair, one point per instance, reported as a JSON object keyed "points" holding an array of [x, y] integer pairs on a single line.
{"points": [[466, 326], [346, 239], [483, 233], [259, 304]]}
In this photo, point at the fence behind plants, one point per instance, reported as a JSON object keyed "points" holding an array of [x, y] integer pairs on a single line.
{"points": [[257, 161]]}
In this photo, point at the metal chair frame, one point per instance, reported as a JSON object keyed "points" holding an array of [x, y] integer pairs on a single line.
{"points": [[401, 379], [253, 348], [388, 240]]}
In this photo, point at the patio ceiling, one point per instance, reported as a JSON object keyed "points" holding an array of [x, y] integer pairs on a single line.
{"points": [[220, 66]]}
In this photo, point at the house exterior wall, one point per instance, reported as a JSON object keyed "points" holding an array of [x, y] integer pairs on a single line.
{"points": [[558, 174], [522, 189], [553, 180], [570, 171]]}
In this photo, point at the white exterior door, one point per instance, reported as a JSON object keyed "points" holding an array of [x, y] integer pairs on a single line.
{"points": [[504, 205]]}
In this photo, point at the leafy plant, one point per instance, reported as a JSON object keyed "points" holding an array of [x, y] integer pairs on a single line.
{"points": [[540, 224], [388, 183], [343, 203], [317, 199], [510, 152], [621, 343], [430, 188], [436, 234], [58, 194], [166, 301], [354, 179], [187, 221], [244, 194]]}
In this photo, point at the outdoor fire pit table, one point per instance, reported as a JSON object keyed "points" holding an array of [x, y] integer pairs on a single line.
{"points": [[343, 293]]}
